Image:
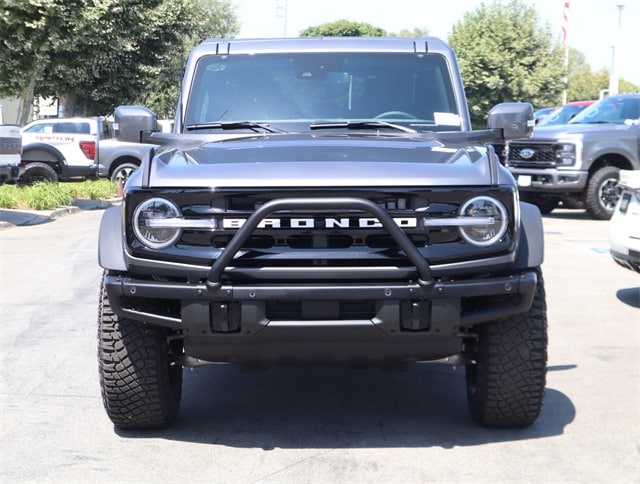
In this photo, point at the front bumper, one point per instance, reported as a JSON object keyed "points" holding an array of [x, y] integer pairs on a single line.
{"points": [[282, 322], [550, 180], [629, 259], [10, 173]]}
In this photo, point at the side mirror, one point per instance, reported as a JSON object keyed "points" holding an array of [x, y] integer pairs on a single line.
{"points": [[133, 122], [514, 119]]}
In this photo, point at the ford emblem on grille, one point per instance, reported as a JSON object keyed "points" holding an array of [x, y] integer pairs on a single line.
{"points": [[527, 153]]}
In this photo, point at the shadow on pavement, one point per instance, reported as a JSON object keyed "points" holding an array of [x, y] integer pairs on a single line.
{"points": [[17, 217], [630, 296], [326, 407]]}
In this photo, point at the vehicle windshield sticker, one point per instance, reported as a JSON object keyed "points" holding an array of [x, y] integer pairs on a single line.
{"points": [[448, 119]]}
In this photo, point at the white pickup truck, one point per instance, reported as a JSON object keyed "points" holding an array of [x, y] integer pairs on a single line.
{"points": [[76, 148]]}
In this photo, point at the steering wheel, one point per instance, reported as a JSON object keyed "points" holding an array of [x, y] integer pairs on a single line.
{"points": [[395, 114]]}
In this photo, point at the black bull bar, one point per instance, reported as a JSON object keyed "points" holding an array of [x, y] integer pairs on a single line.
{"points": [[341, 203]]}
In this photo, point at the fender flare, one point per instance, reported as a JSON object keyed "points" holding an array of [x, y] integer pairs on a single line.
{"points": [[111, 240], [531, 238], [52, 150]]}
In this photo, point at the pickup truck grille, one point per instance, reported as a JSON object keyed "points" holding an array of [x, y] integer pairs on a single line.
{"points": [[530, 154]]}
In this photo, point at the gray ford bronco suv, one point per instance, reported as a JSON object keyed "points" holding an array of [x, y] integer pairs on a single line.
{"points": [[322, 201]]}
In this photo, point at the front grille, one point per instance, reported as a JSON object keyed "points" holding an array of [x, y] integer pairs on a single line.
{"points": [[326, 237], [534, 155]]}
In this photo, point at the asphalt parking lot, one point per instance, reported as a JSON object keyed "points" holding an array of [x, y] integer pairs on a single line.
{"points": [[314, 425]]}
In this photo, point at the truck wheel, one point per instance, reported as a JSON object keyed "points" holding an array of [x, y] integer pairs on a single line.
{"points": [[572, 201], [123, 171], [603, 193], [38, 172], [545, 203], [140, 380], [506, 382]]}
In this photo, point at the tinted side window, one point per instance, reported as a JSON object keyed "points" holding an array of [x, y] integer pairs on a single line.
{"points": [[76, 128], [40, 128]]}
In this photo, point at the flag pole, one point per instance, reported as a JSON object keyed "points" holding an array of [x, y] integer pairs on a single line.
{"points": [[565, 28]]}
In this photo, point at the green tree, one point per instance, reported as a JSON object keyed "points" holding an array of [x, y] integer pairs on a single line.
{"points": [[507, 55], [212, 19], [343, 28], [416, 32], [96, 54], [31, 32], [586, 84], [626, 86], [583, 84]]}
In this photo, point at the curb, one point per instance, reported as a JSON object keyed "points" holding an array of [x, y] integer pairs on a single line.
{"points": [[10, 218]]}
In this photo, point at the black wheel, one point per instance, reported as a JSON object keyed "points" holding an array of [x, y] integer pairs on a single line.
{"points": [[141, 383], [123, 171], [395, 114], [38, 172], [603, 193], [546, 203], [505, 384]]}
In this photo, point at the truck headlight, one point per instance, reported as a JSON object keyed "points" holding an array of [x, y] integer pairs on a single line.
{"points": [[567, 153], [491, 222], [152, 223]]}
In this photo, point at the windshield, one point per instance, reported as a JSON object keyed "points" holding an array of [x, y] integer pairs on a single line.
{"points": [[616, 110], [562, 115], [412, 90]]}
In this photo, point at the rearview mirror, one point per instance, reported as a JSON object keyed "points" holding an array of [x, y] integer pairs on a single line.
{"points": [[514, 119], [133, 122]]}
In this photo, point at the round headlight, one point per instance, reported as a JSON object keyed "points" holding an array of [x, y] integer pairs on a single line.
{"points": [[492, 221], [150, 223]]}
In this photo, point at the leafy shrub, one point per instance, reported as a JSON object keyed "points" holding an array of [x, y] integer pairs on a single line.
{"points": [[47, 196], [9, 196], [95, 189]]}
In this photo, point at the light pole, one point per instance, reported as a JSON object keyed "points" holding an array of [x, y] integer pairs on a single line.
{"points": [[614, 75], [283, 12]]}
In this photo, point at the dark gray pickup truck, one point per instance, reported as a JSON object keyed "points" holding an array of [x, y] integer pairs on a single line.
{"points": [[578, 163], [322, 201]]}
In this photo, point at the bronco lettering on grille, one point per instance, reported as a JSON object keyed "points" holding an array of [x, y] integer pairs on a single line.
{"points": [[326, 223]]}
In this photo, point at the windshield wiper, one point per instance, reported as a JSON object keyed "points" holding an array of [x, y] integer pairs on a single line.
{"points": [[229, 125], [361, 125]]}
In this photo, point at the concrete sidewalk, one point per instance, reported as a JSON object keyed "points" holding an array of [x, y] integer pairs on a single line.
{"points": [[10, 218]]}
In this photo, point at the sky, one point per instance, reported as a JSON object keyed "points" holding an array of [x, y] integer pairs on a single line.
{"points": [[592, 24]]}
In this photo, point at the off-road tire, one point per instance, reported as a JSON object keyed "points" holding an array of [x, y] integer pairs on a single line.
{"points": [[140, 381], [506, 383], [38, 172], [601, 195]]}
